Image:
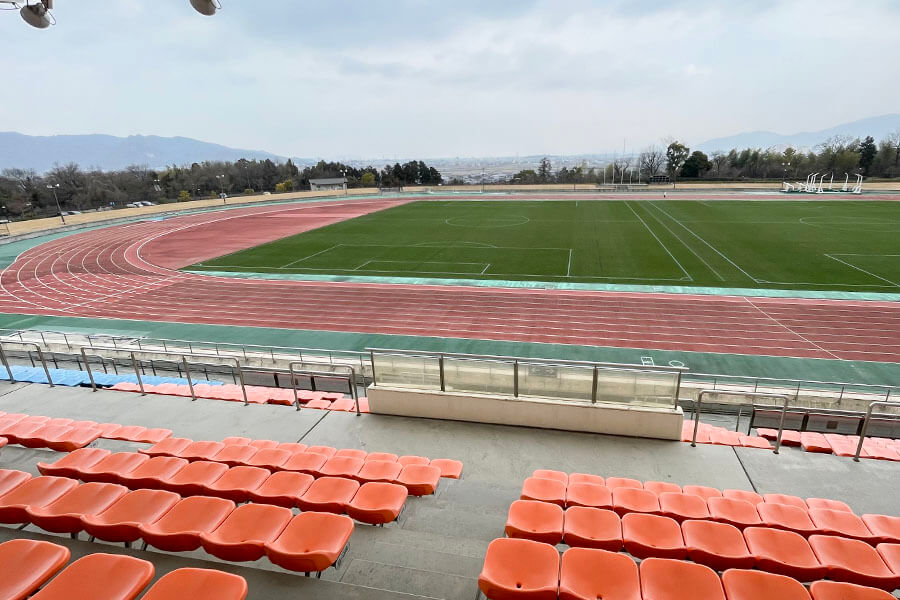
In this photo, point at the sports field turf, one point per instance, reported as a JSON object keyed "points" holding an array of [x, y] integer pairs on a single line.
{"points": [[826, 245]]}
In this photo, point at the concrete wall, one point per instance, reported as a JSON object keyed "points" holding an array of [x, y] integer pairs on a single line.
{"points": [[614, 419]]}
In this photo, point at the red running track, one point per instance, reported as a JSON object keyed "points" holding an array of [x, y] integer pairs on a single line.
{"points": [[129, 272]]}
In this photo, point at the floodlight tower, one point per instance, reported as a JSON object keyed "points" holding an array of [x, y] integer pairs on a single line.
{"points": [[206, 7], [37, 14]]}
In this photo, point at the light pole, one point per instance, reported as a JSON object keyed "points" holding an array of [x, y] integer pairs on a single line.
{"points": [[482, 180], [55, 197], [785, 166], [221, 179]]}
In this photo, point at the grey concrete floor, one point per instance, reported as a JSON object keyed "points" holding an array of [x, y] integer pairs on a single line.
{"points": [[436, 547]]}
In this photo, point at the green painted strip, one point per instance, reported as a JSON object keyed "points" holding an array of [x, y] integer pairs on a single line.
{"points": [[863, 372], [559, 285]]}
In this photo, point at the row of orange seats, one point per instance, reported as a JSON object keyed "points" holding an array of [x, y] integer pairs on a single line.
{"points": [[29, 565], [308, 542], [836, 443], [735, 507], [65, 435], [372, 502], [523, 569], [717, 545], [295, 456], [255, 395], [719, 436]]}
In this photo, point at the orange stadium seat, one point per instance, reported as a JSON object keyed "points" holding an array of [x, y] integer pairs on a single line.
{"points": [[153, 472], [27, 565], [842, 523], [449, 468], [664, 579], [305, 462], [351, 453], [589, 574], [588, 494], [784, 553], [749, 441], [179, 530], [110, 468], [890, 554], [815, 442], [661, 487], [63, 515], [10, 480], [38, 437], [652, 535], [681, 507], [785, 499], [328, 451], [829, 504], [269, 458], [592, 528], [341, 466], [701, 490], [833, 590], [741, 584], [586, 478], [538, 521], [739, 513], [99, 577], [751, 497], [34, 493], [168, 447], [311, 542], [234, 454], [127, 433], [723, 437], [784, 516], [387, 456], [853, 561], [623, 482], [237, 483], [73, 439], [884, 527], [329, 494], [377, 503], [73, 463], [201, 450], [420, 480], [292, 447], [122, 520], [194, 478], [237, 441], [520, 570], [412, 460], [716, 545], [630, 500], [264, 444], [283, 488], [198, 584], [244, 533], [379, 470], [544, 490]]}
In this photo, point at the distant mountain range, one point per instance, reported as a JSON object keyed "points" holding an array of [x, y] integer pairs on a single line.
{"points": [[110, 152], [877, 127]]}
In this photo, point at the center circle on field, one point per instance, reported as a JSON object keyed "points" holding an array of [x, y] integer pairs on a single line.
{"points": [[851, 223], [488, 223]]}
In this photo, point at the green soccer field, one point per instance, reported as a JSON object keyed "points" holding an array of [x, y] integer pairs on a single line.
{"points": [[822, 245]]}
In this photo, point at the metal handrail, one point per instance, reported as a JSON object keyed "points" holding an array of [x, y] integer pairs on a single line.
{"points": [[865, 425], [742, 394], [799, 384], [515, 362], [40, 354], [87, 367], [183, 356], [307, 372]]}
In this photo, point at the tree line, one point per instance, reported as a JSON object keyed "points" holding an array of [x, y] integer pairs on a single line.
{"points": [[24, 193], [837, 155]]}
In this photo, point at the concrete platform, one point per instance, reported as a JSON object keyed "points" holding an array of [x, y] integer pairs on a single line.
{"points": [[436, 548]]}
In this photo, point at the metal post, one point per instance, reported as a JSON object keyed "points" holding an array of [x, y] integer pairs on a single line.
{"points": [[187, 374], [372, 360], [243, 387], [515, 379], [865, 425], [294, 386], [440, 371], [6, 364], [87, 367], [137, 372], [594, 383], [44, 363], [785, 400]]}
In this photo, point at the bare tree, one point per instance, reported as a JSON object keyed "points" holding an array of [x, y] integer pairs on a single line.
{"points": [[651, 160], [718, 159]]}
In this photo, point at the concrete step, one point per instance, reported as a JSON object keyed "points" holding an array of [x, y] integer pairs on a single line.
{"points": [[407, 580]]}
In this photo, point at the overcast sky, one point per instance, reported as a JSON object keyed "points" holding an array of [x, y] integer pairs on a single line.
{"points": [[429, 78]]}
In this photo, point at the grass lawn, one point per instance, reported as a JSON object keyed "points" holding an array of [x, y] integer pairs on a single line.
{"points": [[825, 245]]}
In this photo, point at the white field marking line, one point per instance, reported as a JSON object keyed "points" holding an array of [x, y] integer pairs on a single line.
{"points": [[683, 243], [422, 262], [850, 254], [569, 267], [452, 245], [310, 256], [716, 250], [852, 266], [683, 270], [788, 329], [473, 247], [484, 270]]}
